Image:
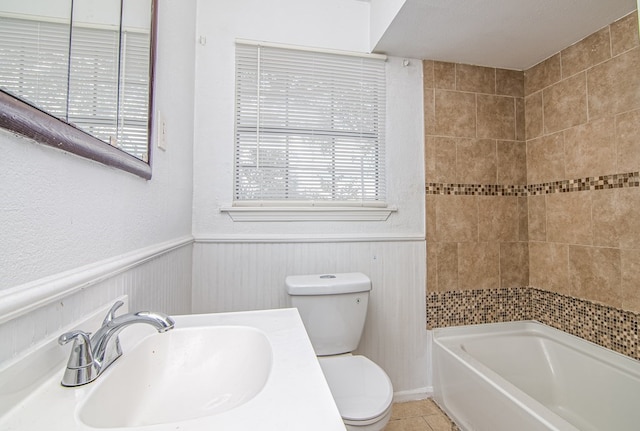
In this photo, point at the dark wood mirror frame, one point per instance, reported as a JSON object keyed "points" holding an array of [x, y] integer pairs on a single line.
{"points": [[27, 120]]}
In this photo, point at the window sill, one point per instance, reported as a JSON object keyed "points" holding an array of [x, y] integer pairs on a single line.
{"points": [[239, 214]]}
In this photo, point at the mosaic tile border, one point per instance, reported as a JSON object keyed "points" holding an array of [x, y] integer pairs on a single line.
{"points": [[475, 189], [603, 182], [606, 326], [616, 181], [472, 307], [601, 324]]}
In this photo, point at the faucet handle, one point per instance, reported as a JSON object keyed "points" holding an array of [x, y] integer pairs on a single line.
{"points": [[81, 367], [81, 354], [111, 314]]}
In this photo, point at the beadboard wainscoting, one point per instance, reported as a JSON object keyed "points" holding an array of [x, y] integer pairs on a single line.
{"points": [[235, 275], [155, 278]]}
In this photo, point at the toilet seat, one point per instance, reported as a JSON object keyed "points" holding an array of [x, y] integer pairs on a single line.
{"points": [[361, 389]]}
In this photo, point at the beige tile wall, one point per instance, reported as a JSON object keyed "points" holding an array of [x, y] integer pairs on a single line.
{"points": [[475, 131], [583, 121], [574, 116]]}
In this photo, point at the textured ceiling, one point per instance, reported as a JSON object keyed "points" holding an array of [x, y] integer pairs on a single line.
{"points": [[511, 34]]}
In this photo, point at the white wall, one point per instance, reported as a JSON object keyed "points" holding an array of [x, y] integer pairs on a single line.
{"points": [[242, 265], [60, 213], [383, 13], [250, 275], [335, 24], [162, 282]]}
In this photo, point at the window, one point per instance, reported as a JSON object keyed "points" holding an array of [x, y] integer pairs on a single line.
{"points": [[309, 128]]}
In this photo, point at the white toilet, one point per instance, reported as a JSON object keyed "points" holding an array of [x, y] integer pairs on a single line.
{"points": [[333, 308]]}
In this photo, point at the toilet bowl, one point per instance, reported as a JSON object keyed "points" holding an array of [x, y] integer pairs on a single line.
{"points": [[361, 389], [333, 308]]}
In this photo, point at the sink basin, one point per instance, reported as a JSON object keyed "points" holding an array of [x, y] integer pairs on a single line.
{"points": [[186, 373], [238, 371]]}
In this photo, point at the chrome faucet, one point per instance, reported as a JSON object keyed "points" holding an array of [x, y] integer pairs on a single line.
{"points": [[91, 355]]}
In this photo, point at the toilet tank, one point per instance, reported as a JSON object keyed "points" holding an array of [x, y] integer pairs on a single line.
{"points": [[333, 308]]}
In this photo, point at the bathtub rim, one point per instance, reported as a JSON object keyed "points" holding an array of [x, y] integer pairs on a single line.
{"points": [[448, 339], [573, 342]]}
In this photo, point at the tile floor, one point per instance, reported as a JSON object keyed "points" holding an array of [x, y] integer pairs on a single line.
{"points": [[422, 415]]}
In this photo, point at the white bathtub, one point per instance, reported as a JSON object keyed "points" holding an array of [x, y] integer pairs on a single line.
{"points": [[522, 376]]}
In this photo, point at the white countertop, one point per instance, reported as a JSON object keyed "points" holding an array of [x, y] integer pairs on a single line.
{"points": [[295, 397]]}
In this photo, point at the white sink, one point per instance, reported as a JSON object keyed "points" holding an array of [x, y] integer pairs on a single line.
{"points": [[238, 371], [180, 375]]}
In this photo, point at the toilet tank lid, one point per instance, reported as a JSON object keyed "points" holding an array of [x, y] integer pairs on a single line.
{"points": [[327, 284]]}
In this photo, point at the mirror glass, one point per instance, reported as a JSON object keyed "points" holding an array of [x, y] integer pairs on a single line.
{"points": [[85, 62], [133, 85], [34, 52], [93, 67]]}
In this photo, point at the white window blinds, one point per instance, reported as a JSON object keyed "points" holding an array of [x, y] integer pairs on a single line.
{"points": [[93, 81], [309, 127], [34, 62]]}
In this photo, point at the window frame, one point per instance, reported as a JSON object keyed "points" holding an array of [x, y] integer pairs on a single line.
{"points": [[325, 208]]}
